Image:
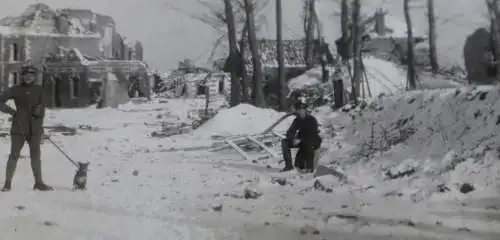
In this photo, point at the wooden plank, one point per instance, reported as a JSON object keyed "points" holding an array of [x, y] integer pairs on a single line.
{"points": [[238, 149], [263, 146], [279, 134], [264, 138]]}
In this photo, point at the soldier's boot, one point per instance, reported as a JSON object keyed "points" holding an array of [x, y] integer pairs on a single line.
{"points": [[36, 167], [287, 155], [37, 174], [40, 186], [309, 162], [9, 172], [7, 186]]}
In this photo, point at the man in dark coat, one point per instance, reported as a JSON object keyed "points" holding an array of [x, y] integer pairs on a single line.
{"points": [[27, 125], [304, 135]]}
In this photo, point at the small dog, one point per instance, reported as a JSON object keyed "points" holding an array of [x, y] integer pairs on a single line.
{"points": [[80, 179]]}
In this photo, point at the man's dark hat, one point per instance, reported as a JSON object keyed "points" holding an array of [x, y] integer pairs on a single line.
{"points": [[28, 68], [300, 103]]}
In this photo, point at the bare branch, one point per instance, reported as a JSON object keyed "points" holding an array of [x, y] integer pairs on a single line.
{"points": [[217, 44]]}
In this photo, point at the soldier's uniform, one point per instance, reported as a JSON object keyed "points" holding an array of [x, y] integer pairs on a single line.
{"points": [[304, 135], [27, 125]]}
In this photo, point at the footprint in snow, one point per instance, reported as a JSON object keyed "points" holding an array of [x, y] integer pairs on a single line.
{"points": [[50, 223]]}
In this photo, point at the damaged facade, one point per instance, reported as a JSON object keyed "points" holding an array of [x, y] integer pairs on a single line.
{"points": [[293, 54], [68, 44], [385, 37], [192, 82], [76, 80], [295, 62]]}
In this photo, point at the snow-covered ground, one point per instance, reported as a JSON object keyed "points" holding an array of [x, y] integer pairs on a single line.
{"points": [[139, 189], [441, 139]]}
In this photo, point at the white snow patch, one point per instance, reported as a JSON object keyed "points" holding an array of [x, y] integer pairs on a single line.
{"points": [[240, 120], [428, 137]]}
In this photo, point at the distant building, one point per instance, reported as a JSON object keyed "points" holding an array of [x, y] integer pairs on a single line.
{"points": [[294, 57], [295, 62], [190, 81], [385, 36], [76, 80], [63, 41], [132, 50]]}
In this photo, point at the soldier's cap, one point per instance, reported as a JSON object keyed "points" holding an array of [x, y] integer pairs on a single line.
{"points": [[301, 103], [28, 68]]}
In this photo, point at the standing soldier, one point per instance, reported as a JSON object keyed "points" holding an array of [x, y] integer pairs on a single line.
{"points": [[304, 135], [27, 125]]}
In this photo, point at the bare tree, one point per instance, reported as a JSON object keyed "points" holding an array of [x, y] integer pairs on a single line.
{"points": [[344, 21], [431, 17], [494, 15], [245, 83], [410, 59], [281, 60], [216, 17], [356, 48], [309, 21], [233, 53], [258, 94]]}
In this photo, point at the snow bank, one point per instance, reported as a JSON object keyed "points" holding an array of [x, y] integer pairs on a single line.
{"points": [[383, 76], [444, 136], [242, 119]]}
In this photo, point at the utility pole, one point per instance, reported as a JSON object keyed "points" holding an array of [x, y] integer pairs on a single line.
{"points": [[281, 62]]}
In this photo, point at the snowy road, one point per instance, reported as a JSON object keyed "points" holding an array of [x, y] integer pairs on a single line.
{"points": [[137, 191]]}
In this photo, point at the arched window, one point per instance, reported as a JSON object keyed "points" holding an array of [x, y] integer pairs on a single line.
{"points": [[221, 85], [201, 89], [14, 52], [13, 79], [74, 86]]}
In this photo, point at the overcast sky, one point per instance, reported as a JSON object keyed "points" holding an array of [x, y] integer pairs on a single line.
{"points": [[170, 35]]}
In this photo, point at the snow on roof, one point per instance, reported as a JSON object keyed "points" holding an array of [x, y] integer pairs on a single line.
{"points": [[129, 42], [32, 9], [394, 27], [76, 26], [18, 31], [309, 78]]}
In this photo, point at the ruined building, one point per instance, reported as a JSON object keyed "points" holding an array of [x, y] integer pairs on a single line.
{"points": [[80, 52]]}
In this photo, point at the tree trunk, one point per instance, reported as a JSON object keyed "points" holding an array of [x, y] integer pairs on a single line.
{"points": [[495, 33], [244, 81], [233, 53], [309, 48], [356, 48], [281, 60], [432, 36], [410, 60], [258, 94], [322, 49], [344, 21]]}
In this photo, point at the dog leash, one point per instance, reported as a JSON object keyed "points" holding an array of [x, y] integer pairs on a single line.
{"points": [[60, 150]]}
